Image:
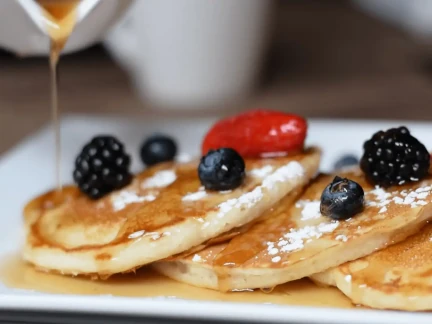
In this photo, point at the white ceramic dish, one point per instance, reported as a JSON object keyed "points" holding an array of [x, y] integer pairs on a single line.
{"points": [[28, 170]]}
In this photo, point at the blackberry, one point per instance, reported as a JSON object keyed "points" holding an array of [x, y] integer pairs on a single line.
{"points": [[342, 199], [222, 169], [157, 149], [394, 157], [101, 167]]}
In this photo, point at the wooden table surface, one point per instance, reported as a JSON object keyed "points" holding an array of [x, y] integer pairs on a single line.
{"points": [[327, 60]]}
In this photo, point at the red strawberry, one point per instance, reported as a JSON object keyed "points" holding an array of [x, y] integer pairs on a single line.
{"points": [[257, 133]]}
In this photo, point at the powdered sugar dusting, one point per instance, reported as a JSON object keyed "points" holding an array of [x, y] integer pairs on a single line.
{"points": [[261, 172], [380, 194], [196, 258], [296, 238], [311, 209], [248, 200], [127, 197], [422, 195], [160, 179], [424, 189], [378, 197], [273, 251], [276, 259], [193, 196], [137, 234], [290, 171], [223, 192], [342, 238], [382, 210]]}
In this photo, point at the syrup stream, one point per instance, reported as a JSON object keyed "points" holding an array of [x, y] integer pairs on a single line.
{"points": [[54, 58], [60, 20]]}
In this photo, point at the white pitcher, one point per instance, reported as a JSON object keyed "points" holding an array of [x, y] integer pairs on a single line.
{"points": [[24, 33]]}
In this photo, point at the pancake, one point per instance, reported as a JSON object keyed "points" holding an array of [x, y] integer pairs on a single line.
{"points": [[398, 277], [296, 241], [164, 211]]}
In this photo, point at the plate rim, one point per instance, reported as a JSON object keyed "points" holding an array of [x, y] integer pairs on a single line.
{"points": [[182, 309]]}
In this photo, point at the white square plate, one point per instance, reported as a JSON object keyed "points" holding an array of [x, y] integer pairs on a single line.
{"points": [[28, 169]]}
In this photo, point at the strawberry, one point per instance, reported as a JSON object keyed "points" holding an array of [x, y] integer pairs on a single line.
{"points": [[258, 133]]}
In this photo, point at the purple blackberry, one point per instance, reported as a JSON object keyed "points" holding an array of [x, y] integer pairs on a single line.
{"points": [[394, 157], [101, 167]]}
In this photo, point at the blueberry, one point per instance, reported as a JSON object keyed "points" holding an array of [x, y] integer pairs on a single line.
{"points": [[157, 149], [342, 199], [346, 161], [222, 169]]}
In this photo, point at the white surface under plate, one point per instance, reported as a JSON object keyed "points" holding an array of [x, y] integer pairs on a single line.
{"points": [[28, 169]]}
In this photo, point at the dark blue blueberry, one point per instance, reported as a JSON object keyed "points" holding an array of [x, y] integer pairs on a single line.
{"points": [[157, 149], [222, 169], [342, 199]]}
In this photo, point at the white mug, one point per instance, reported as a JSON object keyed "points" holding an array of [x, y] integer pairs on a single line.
{"points": [[192, 53]]}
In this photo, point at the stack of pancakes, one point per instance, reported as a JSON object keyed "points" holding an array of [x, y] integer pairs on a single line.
{"points": [[267, 232]]}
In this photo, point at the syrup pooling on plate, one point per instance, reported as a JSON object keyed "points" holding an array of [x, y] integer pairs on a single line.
{"points": [[16, 274]]}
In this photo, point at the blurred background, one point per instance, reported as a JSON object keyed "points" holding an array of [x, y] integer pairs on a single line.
{"points": [[325, 58]]}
